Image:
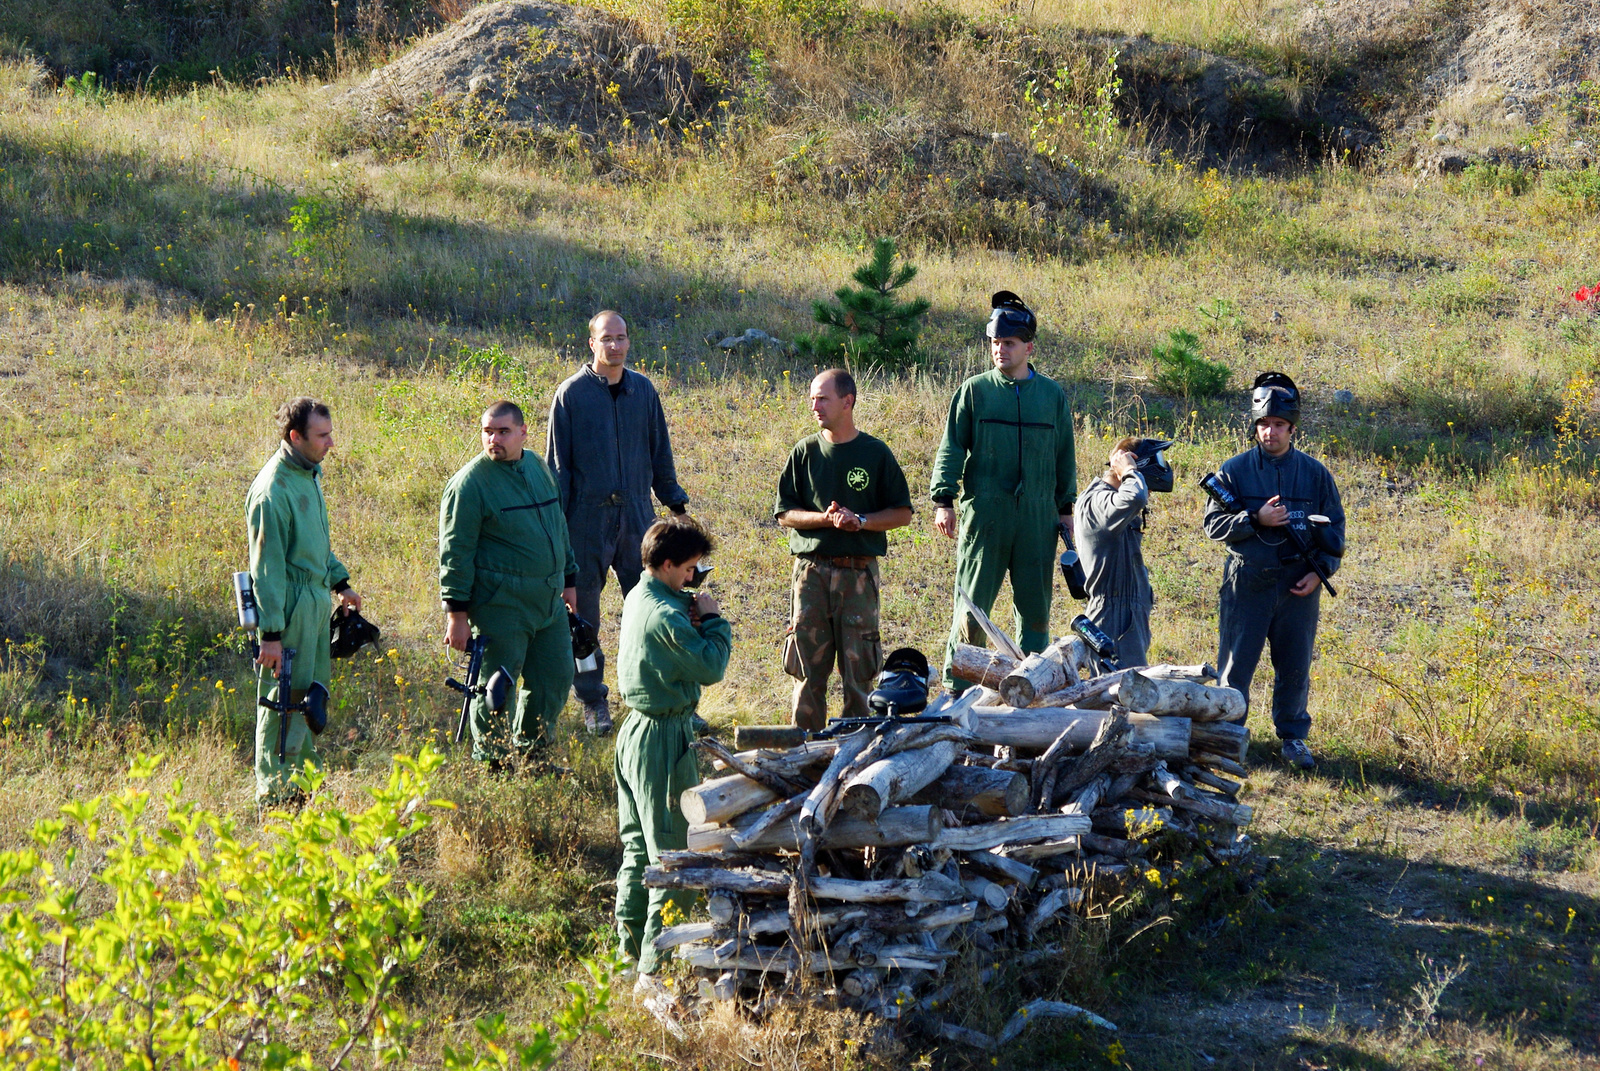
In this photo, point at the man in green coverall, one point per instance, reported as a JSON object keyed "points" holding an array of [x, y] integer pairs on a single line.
{"points": [[1009, 457], [506, 572], [672, 643], [295, 576]]}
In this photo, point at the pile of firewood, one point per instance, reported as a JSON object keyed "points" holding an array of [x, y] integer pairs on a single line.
{"points": [[857, 867]]}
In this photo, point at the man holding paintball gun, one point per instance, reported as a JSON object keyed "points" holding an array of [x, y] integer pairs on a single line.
{"points": [[506, 572], [1278, 513], [294, 575]]}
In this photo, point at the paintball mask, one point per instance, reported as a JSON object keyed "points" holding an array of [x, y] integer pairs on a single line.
{"points": [[585, 643], [1150, 459], [1275, 395], [1010, 318], [903, 685], [1103, 646], [349, 632]]}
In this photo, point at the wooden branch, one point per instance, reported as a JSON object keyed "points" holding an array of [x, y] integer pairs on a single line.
{"points": [[1052, 904], [712, 748], [723, 798], [928, 889], [1115, 846], [895, 779], [998, 793], [1036, 1010], [980, 665], [747, 835], [1202, 776], [1102, 750], [742, 881], [1002, 643], [1001, 866], [1222, 738], [1043, 850], [1040, 674], [1038, 727], [1237, 814], [1012, 831], [1217, 762], [894, 828]]}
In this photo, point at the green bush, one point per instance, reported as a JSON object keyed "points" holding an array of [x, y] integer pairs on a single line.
{"points": [[1575, 192], [869, 326], [1181, 370]]}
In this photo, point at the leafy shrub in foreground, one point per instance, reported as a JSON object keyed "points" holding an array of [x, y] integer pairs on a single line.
{"points": [[170, 940]]}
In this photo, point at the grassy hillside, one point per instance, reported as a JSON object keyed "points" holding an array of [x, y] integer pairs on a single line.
{"points": [[174, 265]]}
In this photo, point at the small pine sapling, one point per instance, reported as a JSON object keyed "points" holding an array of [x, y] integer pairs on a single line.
{"points": [[868, 325], [1181, 370]]}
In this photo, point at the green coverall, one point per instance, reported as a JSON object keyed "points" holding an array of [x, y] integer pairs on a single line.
{"points": [[1008, 456], [504, 558], [294, 571], [662, 661]]}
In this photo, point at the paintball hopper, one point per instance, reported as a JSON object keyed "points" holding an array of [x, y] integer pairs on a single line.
{"points": [[315, 706], [903, 685], [1010, 318], [1150, 459], [498, 691], [1328, 540], [349, 632], [1072, 568], [585, 643], [1274, 395], [1103, 646]]}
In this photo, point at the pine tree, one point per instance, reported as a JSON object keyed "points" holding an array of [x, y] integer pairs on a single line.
{"points": [[868, 324]]}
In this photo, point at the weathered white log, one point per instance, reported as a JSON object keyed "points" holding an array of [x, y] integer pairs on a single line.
{"points": [[961, 1035], [1003, 643], [743, 881], [1046, 671], [1186, 699], [928, 889], [1132, 821], [1051, 905], [1167, 671], [723, 798], [752, 829], [683, 933], [1201, 776], [1217, 762], [677, 860], [1042, 850], [1001, 866], [715, 750], [998, 793], [1109, 745], [1038, 727], [724, 908], [1171, 783], [1237, 814], [1087, 797], [1223, 738], [895, 779], [1036, 1010], [726, 987], [895, 827], [1012, 831], [994, 925], [783, 959], [980, 665], [986, 892], [863, 980], [892, 918]]}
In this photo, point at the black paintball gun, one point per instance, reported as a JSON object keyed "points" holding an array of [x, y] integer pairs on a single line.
{"points": [[899, 698], [494, 693], [314, 705], [1071, 567], [1103, 646], [1228, 501]]}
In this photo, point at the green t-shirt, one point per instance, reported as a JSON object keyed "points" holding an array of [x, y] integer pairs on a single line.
{"points": [[861, 475]]}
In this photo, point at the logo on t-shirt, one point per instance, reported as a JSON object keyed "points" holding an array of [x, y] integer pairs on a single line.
{"points": [[857, 478]]}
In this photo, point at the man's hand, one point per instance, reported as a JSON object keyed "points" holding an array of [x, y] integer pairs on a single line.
{"points": [[1124, 464], [843, 519], [1307, 584], [271, 656], [1066, 519], [350, 600], [457, 630], [1274, 514], [570, 597], [704, 603], [944, 519]]}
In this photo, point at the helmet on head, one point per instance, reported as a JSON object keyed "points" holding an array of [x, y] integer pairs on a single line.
{"points": [[1150, 460], [1010, 318], [1275, 395]]}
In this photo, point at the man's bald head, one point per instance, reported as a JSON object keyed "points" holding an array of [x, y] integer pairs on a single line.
{"points": [[600, 322], [608, 341]]}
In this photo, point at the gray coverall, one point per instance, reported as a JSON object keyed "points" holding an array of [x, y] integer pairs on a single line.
{"points": [[1109, 527], [1256, 605], [608, 450]]}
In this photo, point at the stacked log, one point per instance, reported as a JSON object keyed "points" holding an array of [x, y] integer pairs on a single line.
{"points": [[853, 868]]}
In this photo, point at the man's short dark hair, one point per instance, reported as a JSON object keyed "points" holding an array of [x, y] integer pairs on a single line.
{"points": [[296, 413], [840, 380], [676, 540], [505, 407]]}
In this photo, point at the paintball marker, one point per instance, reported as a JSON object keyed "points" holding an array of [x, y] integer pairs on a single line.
{"points": [[902, 690], [495, 692], [1103, 646], [1211, 485], [1072, 568], [314, 705]]}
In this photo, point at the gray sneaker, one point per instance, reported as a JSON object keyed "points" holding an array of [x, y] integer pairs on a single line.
{"points": [[1298, 753], [597, 717]]}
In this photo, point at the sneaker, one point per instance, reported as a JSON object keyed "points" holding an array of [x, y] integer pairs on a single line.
{"points": [[1298, 753], [699, 725], [597, 718]]}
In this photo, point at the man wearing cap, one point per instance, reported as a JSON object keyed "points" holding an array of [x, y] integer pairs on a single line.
{"points": [[1008, 459], [608, 448], [1110, 535], [1270, 596], [839, 493]]}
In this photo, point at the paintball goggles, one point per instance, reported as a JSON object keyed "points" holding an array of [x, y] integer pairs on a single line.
{"points": [[1072, 568], [348, 632], [1103, 646], [1311, 555], [314, 704], [585, 643], [494, 693]]}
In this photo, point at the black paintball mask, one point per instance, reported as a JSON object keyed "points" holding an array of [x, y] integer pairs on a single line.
{"points": [[1010, 318], [903, 684], [349, 632], [1275, 395], [1150, 460]]}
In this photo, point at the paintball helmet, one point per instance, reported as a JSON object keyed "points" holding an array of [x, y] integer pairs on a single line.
{"points": [[1150, 459], [903, 684], [1275, 395], [349, 632], [1010, 318]]}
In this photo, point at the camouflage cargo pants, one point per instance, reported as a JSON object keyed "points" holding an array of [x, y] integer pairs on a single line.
{"points": [[835, 621]]}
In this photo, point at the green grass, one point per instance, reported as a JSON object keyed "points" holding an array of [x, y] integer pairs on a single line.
{"points": [[159, 302]]}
